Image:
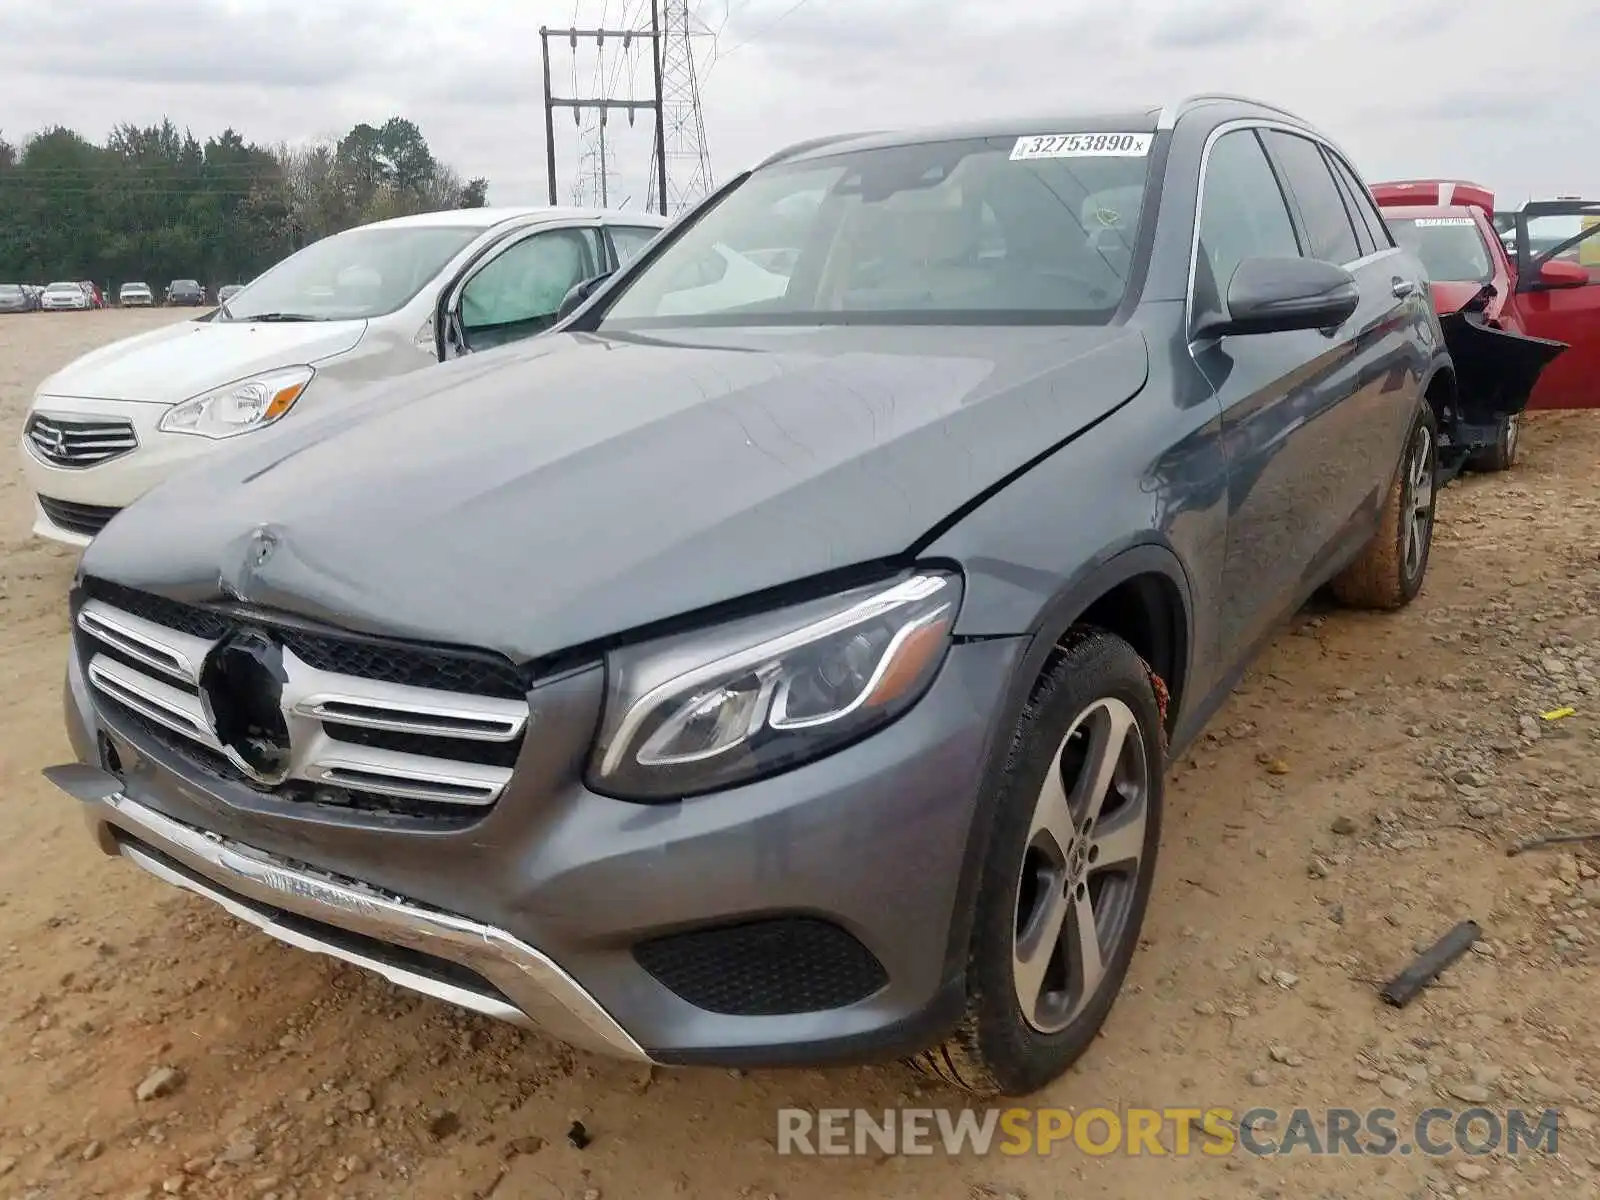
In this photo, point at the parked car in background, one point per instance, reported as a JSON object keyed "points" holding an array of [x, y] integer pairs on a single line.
{"points": [[1497, 313], [228, 291], [65, 295], [359, 306], [827, 646], [135, 295], [16, 298], [186, 292]]}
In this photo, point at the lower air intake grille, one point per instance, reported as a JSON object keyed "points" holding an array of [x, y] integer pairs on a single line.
{"points": [[764, 968], [87, 519]]}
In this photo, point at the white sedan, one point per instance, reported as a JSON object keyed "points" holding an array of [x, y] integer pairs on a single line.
{"points": [[60, 297], [357, 307]]}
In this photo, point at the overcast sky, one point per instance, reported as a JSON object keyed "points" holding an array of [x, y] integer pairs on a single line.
{"points": [[1505, 95]]}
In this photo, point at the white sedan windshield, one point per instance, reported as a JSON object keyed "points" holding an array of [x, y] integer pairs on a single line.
{"points": [[354, 275]]}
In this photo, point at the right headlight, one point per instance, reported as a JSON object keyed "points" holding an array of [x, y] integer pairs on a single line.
{"points": [[239, 407], [715, 708]]}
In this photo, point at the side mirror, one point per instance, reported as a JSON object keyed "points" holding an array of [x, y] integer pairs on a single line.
{"points": [[579, 292], [1554, 273], [1276, 295]]}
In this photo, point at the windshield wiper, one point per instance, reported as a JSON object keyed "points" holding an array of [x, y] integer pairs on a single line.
{"points": [[277, 316]]}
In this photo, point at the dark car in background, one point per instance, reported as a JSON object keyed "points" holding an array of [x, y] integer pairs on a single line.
{"points": [[186, 291], [830, 721], [17, 298]]}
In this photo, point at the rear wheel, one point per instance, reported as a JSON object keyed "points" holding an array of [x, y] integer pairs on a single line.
{"points": [[1071, 859], [1388, 574], [1501, 456]]}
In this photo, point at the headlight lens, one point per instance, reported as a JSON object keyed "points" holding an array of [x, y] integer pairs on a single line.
{"points": [[239, 407], [715, 708]]}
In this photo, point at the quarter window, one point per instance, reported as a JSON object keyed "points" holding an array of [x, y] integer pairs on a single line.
{"points": [[1327, 224], [629, 240], [1242, 214]]}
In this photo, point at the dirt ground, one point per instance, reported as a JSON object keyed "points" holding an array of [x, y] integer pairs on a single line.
{"points": [[1351, 803]]}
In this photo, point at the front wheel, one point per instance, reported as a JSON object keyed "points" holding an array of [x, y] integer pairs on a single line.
{"points": [[1062, 897]]}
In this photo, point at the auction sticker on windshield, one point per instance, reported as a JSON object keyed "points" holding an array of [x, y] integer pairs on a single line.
{"points": [[1082, 145], [1433, 222]]}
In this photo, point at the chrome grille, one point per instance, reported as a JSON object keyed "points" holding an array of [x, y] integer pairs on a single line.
{"points": [[358, 742], [79, 441]]}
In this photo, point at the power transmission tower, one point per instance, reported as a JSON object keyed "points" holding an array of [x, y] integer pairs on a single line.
{"points": [[683, 160], [600, 103]]}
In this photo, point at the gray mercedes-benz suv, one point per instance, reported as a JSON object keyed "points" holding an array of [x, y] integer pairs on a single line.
{"points": [[777, 662]]}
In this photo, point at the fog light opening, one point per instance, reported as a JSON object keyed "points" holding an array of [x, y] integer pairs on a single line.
{"points": [[110, 759]]}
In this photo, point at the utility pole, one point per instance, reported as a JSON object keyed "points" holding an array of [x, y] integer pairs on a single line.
{"points": [[656, 48], [601, 104]]}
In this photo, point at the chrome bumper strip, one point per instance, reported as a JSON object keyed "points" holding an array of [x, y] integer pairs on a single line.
{"points": [[542, 995]]}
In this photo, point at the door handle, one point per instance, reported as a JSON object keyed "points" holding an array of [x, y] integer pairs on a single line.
{"points": [[1402, 288]]}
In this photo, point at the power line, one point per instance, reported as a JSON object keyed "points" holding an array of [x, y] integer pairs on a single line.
{"points": [[718, 56]]}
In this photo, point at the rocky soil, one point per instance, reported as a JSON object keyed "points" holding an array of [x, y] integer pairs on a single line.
{"points": [[1354, 801]]}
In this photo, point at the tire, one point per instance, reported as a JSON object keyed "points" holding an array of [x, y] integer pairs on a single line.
{"points": [[1501, 456], [1388, 573], [1094, 684]]}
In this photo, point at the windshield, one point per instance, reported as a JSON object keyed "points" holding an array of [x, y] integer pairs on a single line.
{"points": [[1451, 248], [10, 289], [65, 287], [957, 231], [354, 275]]}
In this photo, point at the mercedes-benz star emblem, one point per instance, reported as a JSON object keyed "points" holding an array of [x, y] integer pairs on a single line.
{"points": [[241, 690]]}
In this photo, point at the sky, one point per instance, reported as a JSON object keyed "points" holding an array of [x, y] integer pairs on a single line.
{"points": [[1416, 88]]}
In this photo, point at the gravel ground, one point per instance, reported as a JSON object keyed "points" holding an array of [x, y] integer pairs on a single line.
{"points": [[1351, 803]]}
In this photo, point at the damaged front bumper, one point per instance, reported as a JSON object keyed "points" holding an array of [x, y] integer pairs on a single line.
{"points": [[1496, 370], [315, 911]]}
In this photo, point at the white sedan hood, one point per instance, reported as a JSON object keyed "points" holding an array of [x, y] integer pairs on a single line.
{"points": [[178, 361]]}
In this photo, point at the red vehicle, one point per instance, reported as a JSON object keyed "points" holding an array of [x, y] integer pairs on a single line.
{"points": [[1482, 294]]}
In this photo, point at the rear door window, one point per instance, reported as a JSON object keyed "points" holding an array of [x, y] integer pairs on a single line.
{"points": [[1322, 210]]}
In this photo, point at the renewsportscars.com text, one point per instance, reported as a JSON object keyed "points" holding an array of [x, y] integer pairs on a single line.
{"points": [[1214, 1132]]}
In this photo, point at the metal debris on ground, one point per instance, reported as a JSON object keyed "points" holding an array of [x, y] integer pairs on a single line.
{"points": [[1426, 967], [1551, 839]]}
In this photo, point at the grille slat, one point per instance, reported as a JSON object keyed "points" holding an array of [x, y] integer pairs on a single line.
{"points": [[376, 741], [80, 441]]}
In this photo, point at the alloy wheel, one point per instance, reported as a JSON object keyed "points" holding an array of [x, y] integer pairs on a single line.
{"points": [[1080, 871], [1418, 508]]}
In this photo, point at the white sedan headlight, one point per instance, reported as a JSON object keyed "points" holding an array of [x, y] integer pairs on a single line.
{"points": [[239, 407]]}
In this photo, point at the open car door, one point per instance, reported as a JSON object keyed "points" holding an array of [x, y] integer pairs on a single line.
{"points": [[1558, 296]]}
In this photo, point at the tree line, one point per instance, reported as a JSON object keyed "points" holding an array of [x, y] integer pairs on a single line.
{"points": [[155, 203]]}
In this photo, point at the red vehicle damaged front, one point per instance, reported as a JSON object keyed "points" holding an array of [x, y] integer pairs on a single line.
{"points": [[1495, 329]]}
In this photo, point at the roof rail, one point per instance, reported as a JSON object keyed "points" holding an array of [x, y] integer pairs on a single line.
{"points": [[1171, 112]]}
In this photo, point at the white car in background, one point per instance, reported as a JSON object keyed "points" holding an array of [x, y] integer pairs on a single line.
{"points": [[135, 295], [351, 309], [59, 297]]}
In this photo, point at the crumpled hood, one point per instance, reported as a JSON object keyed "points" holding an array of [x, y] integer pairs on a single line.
{"points": [[181, 360], [548, 494]]}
